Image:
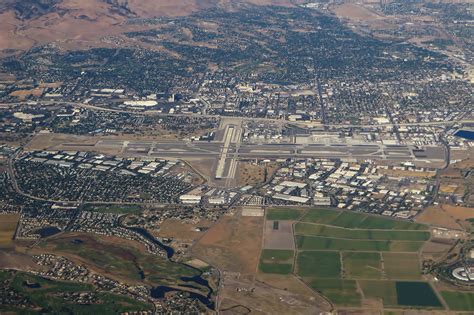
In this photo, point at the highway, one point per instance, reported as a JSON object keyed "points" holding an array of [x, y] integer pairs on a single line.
{"points": [[262, 119]]}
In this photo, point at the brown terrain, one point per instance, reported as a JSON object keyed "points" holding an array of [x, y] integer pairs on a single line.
{"points": [[233, 245], [82, 24]]}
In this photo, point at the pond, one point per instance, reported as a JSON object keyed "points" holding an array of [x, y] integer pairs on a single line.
{"points": [[416, 294], [48, 231]]}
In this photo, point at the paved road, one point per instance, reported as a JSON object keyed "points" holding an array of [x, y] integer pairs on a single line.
{"points": [[263, 119]]}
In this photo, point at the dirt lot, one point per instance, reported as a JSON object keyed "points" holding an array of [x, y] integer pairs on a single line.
{"points": [[356, 12], [280, 238], [177, 229], [269, 295], [252, 173], [233, 244], [437, 216], [436, 249], [10, 259], [8, 223], [459, 213]]}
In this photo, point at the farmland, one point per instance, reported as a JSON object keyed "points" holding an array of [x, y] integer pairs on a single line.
{"points": [[319, 264], [276, 261], [362, 265], [326, 243], [401, 265], [283, 214], [356, 259], [358, 220], [459, 301], [331, 231], [340, 292]]}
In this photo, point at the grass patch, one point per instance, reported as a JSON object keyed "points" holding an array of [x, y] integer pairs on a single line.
{"points": [[45, 297], [362, 265], [277, 255], [374, 222], [459, 301], [324, 243], [416, 294], [340, 292], [338, 232], [282, 269], [383, 290], [322, 216], [319, 264], [121, 260], [276, 261], [283, 214], [401, 265]]}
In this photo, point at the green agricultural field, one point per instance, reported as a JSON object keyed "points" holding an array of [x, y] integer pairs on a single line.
{"points": [[45, 297], [362, 265], [276, 261], [319, 264], [459, 301], [416, 294], [381, 223], [340, 292], [401, 265], [283, 214], [283, 269], [337, 232], [358, 220], [322, 216], [277, 255], [324, 243], [349, 219], [383, 290]]}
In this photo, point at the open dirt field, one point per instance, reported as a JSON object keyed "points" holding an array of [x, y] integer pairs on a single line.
{"points": [[269, 295], [252, 174], [233, 244], [437, 216], [177, 229], [279, 235], [356, 12], [10, 259], [8, 223], [459, 213]]}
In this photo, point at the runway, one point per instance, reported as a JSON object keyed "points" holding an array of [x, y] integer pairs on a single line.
{"points": [[228, 150]]}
